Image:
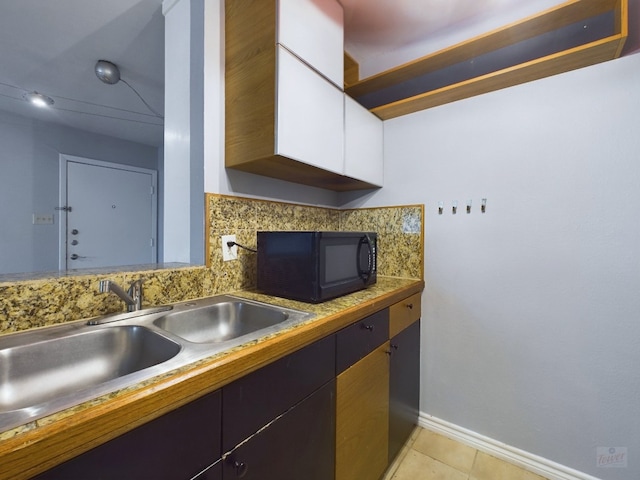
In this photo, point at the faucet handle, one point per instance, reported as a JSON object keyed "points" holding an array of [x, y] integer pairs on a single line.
{"points": [[135, 288], [135, 292], [104, 286]]}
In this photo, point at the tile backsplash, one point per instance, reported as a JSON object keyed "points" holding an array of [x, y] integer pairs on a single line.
{"points": [[35, 303], [29, 303], [400, 232]]}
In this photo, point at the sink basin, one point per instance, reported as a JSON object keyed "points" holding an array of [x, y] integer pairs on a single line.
{"points": [[34, 373], [46, 370], [221, 322]]}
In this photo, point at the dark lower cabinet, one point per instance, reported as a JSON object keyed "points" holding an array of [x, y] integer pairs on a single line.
{"points": [[300, 444], [214, 472], [179, 445], [404, 386], [283, 421], [254, 400]]}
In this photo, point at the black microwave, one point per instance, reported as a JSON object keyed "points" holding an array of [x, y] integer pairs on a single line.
{"points": [[315, 266]]}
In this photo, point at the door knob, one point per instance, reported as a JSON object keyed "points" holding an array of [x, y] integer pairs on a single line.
{"points": [[75, 256]]}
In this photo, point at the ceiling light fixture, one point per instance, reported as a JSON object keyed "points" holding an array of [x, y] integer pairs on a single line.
{"points": [[109, 73], [38, 99]]}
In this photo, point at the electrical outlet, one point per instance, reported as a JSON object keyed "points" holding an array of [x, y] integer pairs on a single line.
{"points": [[229, 253], [42, 219]]}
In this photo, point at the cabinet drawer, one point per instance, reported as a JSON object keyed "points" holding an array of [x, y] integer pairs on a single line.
{"points": [[358, 340], [251, 402], [403, 314]]}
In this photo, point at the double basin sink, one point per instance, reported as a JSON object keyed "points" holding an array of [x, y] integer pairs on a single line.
{"points": [[47, 370]]}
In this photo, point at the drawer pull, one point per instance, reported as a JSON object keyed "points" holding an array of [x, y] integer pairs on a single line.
{"points": [[409, 306], [368, 327], [241, 469]]}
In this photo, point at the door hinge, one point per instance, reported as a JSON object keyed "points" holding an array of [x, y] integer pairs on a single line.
{"points": [[152, 188], [153, 242]]}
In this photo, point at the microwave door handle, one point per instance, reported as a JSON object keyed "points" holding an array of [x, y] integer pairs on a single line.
{"points": [[365, 274]]}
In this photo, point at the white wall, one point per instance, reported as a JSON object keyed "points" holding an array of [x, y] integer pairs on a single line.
{"points": [[530, 325], [183, 220], [29, 183]]}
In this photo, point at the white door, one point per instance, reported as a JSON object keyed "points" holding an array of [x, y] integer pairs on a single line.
{"points": [[110, 214]]}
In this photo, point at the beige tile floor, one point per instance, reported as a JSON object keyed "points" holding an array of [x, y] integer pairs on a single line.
{"points": [[430, 456]]}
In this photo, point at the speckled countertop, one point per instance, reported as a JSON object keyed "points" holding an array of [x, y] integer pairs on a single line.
{"points": [[28, 448]]}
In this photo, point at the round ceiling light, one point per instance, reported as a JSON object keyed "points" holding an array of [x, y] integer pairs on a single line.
{"points": [[38, 99]]}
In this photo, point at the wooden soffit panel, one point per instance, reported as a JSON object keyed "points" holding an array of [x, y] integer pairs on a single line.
{"points": [[575, 34]]}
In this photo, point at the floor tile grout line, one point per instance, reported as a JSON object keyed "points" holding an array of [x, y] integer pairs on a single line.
{"points": [[470, 474], [473, 464]]}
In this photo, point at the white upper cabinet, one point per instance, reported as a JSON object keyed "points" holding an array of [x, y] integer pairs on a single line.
{"points": [[314, 31], [363, 143], [284, 99], [310, 123]]}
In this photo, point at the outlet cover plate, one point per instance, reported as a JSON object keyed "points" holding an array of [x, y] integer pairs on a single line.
{"points": [[42, 219], [229, 253]]}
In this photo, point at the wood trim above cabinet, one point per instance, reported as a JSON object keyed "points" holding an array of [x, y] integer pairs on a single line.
{"points": [[351, 70]]}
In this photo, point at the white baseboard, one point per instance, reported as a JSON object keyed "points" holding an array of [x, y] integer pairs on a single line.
{"points": [[525, 460]]}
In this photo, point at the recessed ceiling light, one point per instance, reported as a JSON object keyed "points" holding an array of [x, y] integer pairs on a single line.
{"points": [[38, 99]]}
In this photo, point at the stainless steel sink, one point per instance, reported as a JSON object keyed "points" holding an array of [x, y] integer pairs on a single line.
{"points": [[34, 373], [221, 322], [46, 370]]}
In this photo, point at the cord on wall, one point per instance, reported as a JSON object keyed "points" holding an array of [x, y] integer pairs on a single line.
{"points": [[232, 244]]}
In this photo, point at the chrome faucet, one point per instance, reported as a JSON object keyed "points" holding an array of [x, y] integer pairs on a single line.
{"points": [[132, 297]]}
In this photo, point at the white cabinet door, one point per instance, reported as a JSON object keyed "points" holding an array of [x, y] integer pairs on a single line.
{"points": [[314, 31], [309, 116], [363, 143]]}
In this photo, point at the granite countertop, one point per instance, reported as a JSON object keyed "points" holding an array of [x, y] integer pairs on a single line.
{"points": [[43, 443]]}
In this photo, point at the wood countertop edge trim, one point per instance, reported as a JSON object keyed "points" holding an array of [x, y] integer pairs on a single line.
{"points": [[40, 449]]}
